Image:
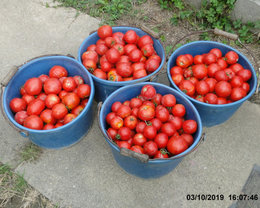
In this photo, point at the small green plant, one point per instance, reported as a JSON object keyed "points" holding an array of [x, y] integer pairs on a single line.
{"points": [[30, 152]]}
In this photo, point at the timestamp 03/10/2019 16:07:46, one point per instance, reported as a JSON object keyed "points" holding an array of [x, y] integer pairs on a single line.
{"points": [[233, 197]]}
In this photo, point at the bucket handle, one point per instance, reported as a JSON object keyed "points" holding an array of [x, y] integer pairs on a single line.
{"points": [[123, 151], [5, 82], [228, 35]]}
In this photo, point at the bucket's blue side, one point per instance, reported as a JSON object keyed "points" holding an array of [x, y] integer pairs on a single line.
{"points": [[212, 115], [103, 88], [154, 168], [63, 136]]}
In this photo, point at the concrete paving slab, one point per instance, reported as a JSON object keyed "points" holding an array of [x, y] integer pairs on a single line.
{"points": [[29, 29], [86, 174]]}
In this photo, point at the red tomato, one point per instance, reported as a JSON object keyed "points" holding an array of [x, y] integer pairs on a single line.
{"points": [[236, 67], [161, 154], [147, 50], [120, 49], [189, 126], [199, 71], [161, 140], [69, 84], [57, 125], [69, 117], [221, 76], [150, 148], [187, 87], [213, 68], [245, 74], [139, 139], [123, 144], [221, 101], [123, 111], [47, 117], [183, 61], [177, 78], [210, 58], [223, 89], [188, 138], [48, 127], [35, 107], [42, 96], [202, 87], [33, 86], [177, 145], [100, 74], [217, 52], [237, 93], [117, 122], [124, 58], [198, 59], [151, 65], [138, 66], [118, 36], [176, 70], [83, 91], [77, 110], [135, 55], [84, 102], [168, 128], [177, 122], [33, 122], [200, 98], [129, 47], [150, 132], [139, 74], [112, 133], [110, 42], [62, 94], [144, 40], [211, 98], [92, 55], [130, 37], [101, 49], [179, 110], [89, 64], [135, 102], [43, 77], [230, 73], [106, 66], [140, 127], [124, 133], [162, 113], [20, 117], [130, 122], [146, 113], [124, 69], [92, 47], [211, 83], [138, 149], [147, 102], [246, 87], [222, 63], [28, 98], [156, 123], [110, 116], [71, 100], [51, 100], [156, 57], [115, 106], [100, 42], [58, 72], [148, 92], [52, 86], [168, 100], [112, 55], [104, 31], [187, 72], [231, 57], [157, 99]]}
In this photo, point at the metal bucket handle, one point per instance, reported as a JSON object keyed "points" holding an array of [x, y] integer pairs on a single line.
{"points": [[142, 157], [5, 82], [228, 35]]}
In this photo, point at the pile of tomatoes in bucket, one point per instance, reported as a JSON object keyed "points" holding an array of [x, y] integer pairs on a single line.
{"points": [[48, 102], [211, 77], [121, 57], [151, 124]]}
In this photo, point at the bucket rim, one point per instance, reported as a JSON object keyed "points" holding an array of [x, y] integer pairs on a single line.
{"points": [[154, 161], [120, 83], [85, 110], [254, 77]]}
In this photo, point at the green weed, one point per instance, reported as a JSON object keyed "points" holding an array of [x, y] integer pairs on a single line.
{"points": [[30, 152]]}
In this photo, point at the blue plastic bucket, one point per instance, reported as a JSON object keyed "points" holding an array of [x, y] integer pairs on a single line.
{"points": [[212, 114], [65, 135], [154, 168], [103, 88]]}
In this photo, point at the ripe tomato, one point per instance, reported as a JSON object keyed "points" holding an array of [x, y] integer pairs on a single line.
{"points": [[213, 68], [28, 98], [62, 94], [183, 61], [124, 58], [112, 55], [33, 122], [137, 66], [69, 84], [150, 148], [217, 52], [230, 73], [47, 117], [177, 78], [231, 57], [71, 100], [35, 107], [162, 113], [211, 83], [100, 74], [89, 64], [101, 49], [156, 57], [123, 111], [245, 74], [118, 36], [130, 37], [77, 110], [210, 58], [110, 42], [188, 138], [211, 98], [177, 122], [92, 55], [179, 110], [20, 117], [202, 87], [33, 86], [43, 77], [221, 76], [120, 49], [51, 100], [52, 86], [115, 106], [69, 117], [161, 140], [151, 65], [246, 86], [187, 87], [222, 63], [168, 128], [144, 40], [78, 79], [112, 133], [150, 132], [146, 113], [92, 47], [198, 59], [135, 102], [177, 145], [135, 55], [138, 149], [236, 67], [124, 69], [139, 74], [156, 123], [130, 121], [42, 96], [48, 127], [147, 50], [223, 89], [148, 92], [123, 144], [59, 124], [129, 47], [139, 139], [117, 122], [110, 116], [200, 98], [189, 126], [157, 99], [199, 71], [161, 154], [187, 72], [221, 101], [124, 133], [58, 72], [100, 42], [104, 31], [237, 93], [83, 91], [168, 100], [176, 70]]}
